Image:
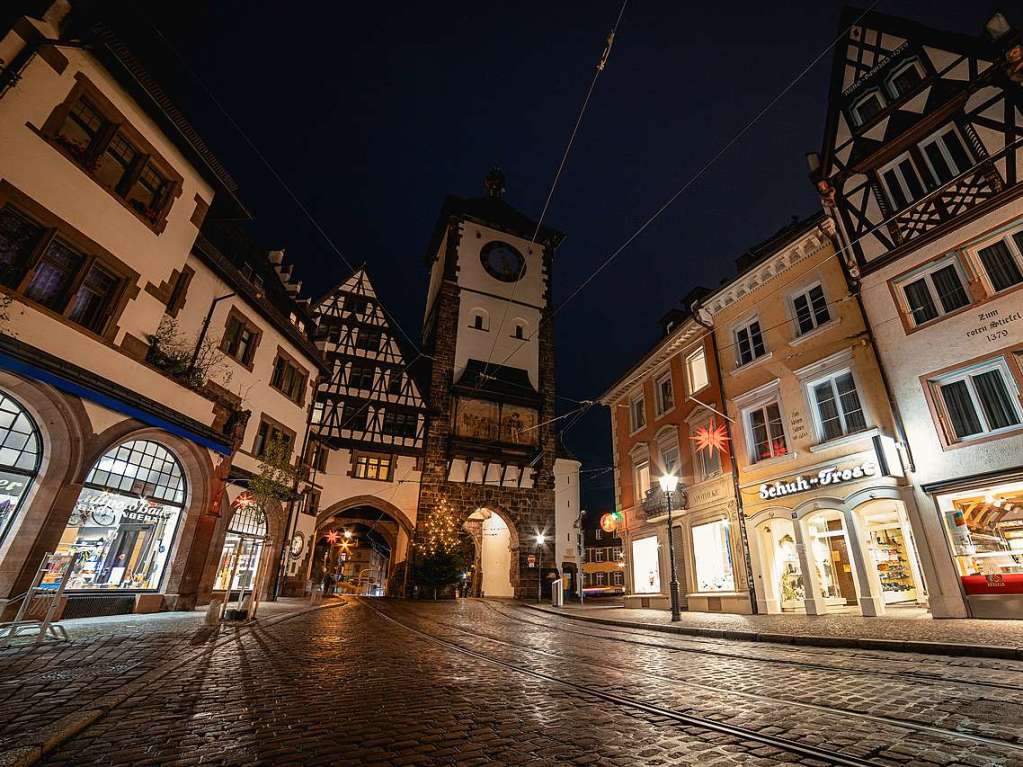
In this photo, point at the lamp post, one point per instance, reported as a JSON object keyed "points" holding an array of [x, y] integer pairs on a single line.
{"points": [[540, 538], [668, 484]]}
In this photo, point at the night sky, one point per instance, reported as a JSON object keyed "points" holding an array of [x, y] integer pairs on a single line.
{"points": [[372, 112]]}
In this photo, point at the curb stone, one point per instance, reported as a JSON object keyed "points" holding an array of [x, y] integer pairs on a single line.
{"points": [[853, 643], [36, 744]]}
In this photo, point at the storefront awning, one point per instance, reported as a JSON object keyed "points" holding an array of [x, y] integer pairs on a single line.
{"points": [[36, 364]]}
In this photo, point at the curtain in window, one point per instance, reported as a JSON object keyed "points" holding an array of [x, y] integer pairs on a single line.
{"points": [[1001, 267], [950, 288], [960, 409], [850, 401], [53, 275], [994, 398], [828, 410], [920, 302]]}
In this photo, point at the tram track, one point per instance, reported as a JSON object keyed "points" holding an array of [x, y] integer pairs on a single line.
{"points": [[617, 632], [791, 746], [830, 710]]}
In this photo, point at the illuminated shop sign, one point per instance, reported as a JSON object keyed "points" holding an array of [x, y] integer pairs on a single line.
{"points": [[833, 475]]}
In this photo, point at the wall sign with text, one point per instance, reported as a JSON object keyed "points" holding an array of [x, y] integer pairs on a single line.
{"points": [[832, 475]]}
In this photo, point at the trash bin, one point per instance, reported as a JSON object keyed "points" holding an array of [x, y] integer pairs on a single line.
{"points": [[557, 594]]}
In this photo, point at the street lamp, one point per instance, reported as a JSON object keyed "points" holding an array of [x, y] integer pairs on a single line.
{"points": [[668, 484], [540, 538]]}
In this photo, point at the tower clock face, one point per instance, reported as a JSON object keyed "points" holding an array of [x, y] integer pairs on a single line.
{"points": [[502, 261]]}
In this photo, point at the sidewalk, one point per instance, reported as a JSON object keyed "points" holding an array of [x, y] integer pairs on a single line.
{"points": [[42, 685], [917, 632]]}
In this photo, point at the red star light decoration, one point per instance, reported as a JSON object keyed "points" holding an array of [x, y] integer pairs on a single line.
{"points": [[714, 437], [333, 537]]}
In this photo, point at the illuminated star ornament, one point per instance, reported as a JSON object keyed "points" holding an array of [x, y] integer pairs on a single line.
{"points": [[333, 536], [714, 437]]}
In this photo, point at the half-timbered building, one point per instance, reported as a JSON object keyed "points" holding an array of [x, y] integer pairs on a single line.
{"points": [[920, 172]]}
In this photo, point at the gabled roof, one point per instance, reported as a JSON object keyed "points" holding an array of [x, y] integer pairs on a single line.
{"points": [[493, 212]]}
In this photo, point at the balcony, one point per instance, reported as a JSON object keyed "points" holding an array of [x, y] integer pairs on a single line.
{"points": [[942, 206], [655, 503]]}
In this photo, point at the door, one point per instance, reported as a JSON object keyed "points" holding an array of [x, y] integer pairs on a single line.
{"points": [[843, 564]]}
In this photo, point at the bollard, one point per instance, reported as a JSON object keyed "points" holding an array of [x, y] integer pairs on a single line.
{"points": [[557, 593], [316, 597], [213, 610]]}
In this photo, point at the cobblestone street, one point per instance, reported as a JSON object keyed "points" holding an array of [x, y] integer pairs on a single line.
{"points": [[375, 682]]}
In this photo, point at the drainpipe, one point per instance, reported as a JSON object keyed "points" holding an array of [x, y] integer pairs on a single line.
{"points": [[695, 309]]}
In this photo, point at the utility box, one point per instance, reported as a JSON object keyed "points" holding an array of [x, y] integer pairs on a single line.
{"points": [[557, 594]]}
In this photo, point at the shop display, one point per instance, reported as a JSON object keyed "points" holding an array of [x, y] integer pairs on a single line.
{"points": [[790, 577], [892, 560], [712, 553], [646, 572], [20, 451], [243, 546], [985, 529]]}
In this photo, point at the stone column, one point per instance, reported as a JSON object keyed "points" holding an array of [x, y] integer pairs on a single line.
{"points": [[813, 600], [871, 597]]}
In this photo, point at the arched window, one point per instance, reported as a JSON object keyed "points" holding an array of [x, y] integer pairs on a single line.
{"points": [[519, 329], [126, 519], [479, 320], [20, 452]]}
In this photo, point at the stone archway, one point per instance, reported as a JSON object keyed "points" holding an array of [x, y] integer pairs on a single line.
{"points": [[496, 541]]}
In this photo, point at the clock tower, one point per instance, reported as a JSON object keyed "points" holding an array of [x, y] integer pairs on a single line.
{"points": [[490, 447]]}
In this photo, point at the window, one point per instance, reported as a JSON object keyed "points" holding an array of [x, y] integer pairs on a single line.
{"points": [[946, 155], [619, 578], [811, 309], [477, 322], [749, 343], [706, 461], [267, 434], [317, 414], [20, 453], [601, 579], [637, 413], [399, 424], [317, 455], [837, 406], [601, 555], [45, 268], [312, 502], [357, 305], [641, 475], [369, 466], [361, 375], [240, 339], [369, 339], [665, 394], [712, 552], [646, 571], [670, 459], [289, 379], [937, 290], [980, 400], [868, 106], [766, 432], [905, 78], [520, 331], [902, 182], [696, 370], [394, 380], [90, 131], [1003, 261]]}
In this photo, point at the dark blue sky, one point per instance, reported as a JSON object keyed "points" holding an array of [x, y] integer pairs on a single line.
{"points": [[372, 112]]}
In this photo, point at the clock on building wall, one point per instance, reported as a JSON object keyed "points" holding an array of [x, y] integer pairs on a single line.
{"points": [[502, 261], [297, 544]]}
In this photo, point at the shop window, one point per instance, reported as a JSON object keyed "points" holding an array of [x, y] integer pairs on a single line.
{"points": [[637, 413], [985, 529], [45, 268], [904, 78], [712, 554], [240, 339], [370, 466], [289, 378], [766, 432], [978, 401], [901, 180], [867, 107], [20, 454], [811, 308], [936, 290], [1003, 261], [646, 570], [837, 406], [696, 370], [243, 548], [665, 394], [946, 155], [124, 524], [749, 342]]}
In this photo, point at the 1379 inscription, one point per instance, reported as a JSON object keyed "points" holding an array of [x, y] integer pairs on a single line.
{"points": [[993, 328]]}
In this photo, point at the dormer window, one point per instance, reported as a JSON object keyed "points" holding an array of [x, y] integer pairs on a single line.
{"points": [[868, 106], [905, 78]]}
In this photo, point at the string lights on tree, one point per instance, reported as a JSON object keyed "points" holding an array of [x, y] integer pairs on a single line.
{"points": [[440, 530]]}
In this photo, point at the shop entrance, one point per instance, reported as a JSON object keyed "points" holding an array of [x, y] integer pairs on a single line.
{"points": [[829, 548], [893, 552], [782, 570], [243, 549]]}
